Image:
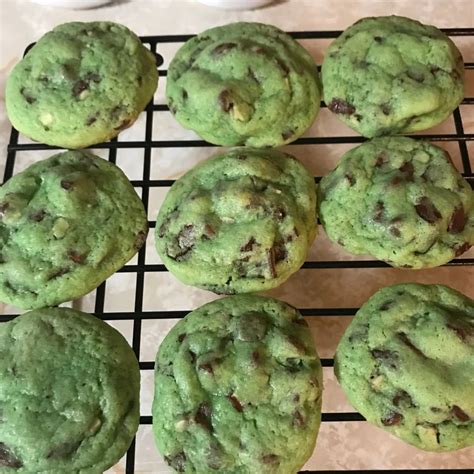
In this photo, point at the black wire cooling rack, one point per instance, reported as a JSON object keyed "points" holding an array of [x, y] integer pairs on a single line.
{"points": [[145, 184]]}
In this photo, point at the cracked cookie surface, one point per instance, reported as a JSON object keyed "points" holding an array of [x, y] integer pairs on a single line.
{"points": [[406, 362], [69, 397], [66, 224], [81, 84], [244, 84], [238, 389], [389, 75], [239, 222], [400, 200]]}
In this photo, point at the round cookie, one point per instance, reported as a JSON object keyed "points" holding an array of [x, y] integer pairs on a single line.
{"points": [[244, 84], [66, 224], [389, 75], [69, 393], [238, 388], [406, 363], [400, 200], [81, 84], [239, 222]]}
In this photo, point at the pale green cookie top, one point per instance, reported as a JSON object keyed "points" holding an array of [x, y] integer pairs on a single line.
{"points": [[238, 389], [406, 362], [66, 224], [389, 75], [69, 394], [82, 83], [244, 84], [239, 222], [400, 200]]}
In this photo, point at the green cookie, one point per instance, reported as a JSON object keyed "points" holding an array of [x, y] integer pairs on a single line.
{"points": [[406, 362], [81, 84], [389, 75], [66, 224], [400, 200], [244, 84], [238, 389], [69, 394], [239, 222]]}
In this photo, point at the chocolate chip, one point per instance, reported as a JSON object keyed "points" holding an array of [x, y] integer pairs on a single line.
{"points": [[223, 48], [225, 100], [192, 356], [79, 87], [427, 210], [177, 461], [206, 368], [65, 184], [8, 459], [279, 251], [386, 305], [38, 216], [416, 76], [387, 357], [209, 232], [339, 106], [181, 337], [287, 133], [395, 231], [407, 170], [381, 160], [64, 450], [251, 74], [464, 333], [248, 247], [460, 249], [185, 240], [3, 208], [27, 96], [58, 273], [406, 340], [251, 326], [298, 418], [458, 221], [386, 109], [351, 178], [379, 210], [75, 256], [90, 120], [296, 397], [402, 397], [392, 419], [460, 414], [270, 459], [283, 66], [378, 39], [123, 124], [235, 403], [272, 262], [184, 94], [203, 416], [256, 357]]}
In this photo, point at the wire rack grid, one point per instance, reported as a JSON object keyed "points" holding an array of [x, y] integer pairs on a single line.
{"points": [[145, 184]]}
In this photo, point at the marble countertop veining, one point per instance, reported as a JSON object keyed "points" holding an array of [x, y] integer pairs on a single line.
{"points": [[341, 445]]}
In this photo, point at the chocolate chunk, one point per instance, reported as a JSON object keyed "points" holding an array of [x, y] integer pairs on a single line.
{"points": [[287, 133], [392, 419], [181, 337], [283, 66], [8, 459], [65, 184], [192, 356], [79, 87], [379, 210], [27, 96], [206, 368], [406, 340], [386, 305], [203, 416], [402, 397], [58, 273], [123, 124], [387, 357], [351, 178], [378, 39], [460, 414], [208, 231], [296, 397], [184, 94], [270, 459], [249, 245], [177, 461], [339, 106], [271, 261], [186, 240], [64, 450], [140, 239], [75, 256], [395, 231], [416, 76], [251, 326], [256, 357], [251, 74], [3, 208], [458, 221], [386, 109], [464, 333], [427, 210], [225, 100], [279, 213], [223, 48], [461, 248], [298, 419], [90, 120], [235, 403], [38, 216], [381, 160], [407, 170]]}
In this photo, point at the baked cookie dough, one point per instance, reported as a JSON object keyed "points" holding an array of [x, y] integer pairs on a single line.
{"points": [[238, 389], [66, 224], [406, 363], [81, 84], [244, 84], [239, 222], [69, 394], [389, 75], [400, 200]]}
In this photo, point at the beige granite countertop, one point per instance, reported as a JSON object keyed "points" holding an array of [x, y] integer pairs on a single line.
{"points": [[341, 445]]}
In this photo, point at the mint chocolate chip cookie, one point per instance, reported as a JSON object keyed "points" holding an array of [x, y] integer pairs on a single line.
{"points": [[406, 363], [66, 224], [400, 200], [69, 393], [389, 75], [82, 83], [238, 389], [244, 84], [239, 222]]}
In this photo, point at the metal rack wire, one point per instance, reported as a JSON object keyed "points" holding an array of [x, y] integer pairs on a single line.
{"points": [[145, 184]]}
